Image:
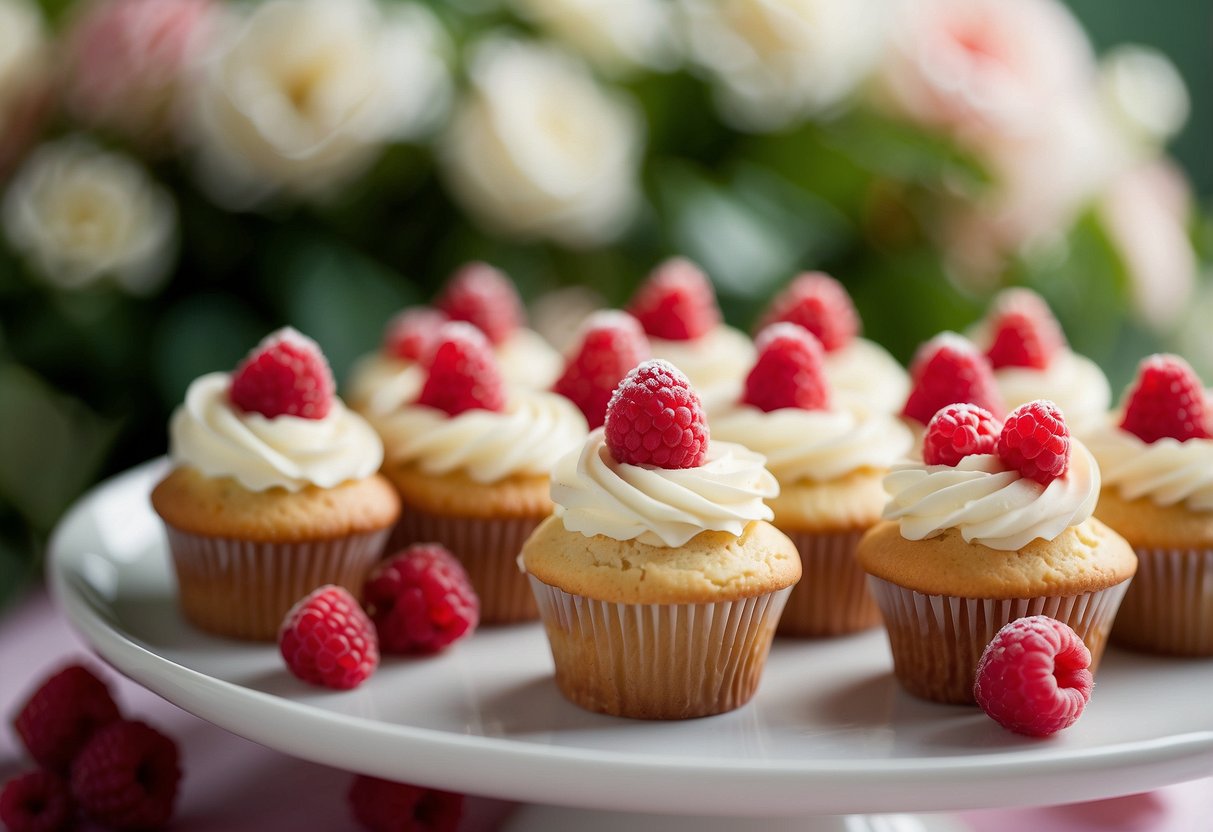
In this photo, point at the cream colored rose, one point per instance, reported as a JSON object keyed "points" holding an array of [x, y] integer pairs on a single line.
{"points": [[80, 214], [24, 56], [300, 96], [616, 35], [537, 148], [776, 61], [1144, 93]]}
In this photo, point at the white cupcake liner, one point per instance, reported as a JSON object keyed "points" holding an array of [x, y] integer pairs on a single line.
{"points": [[658, 661], [937, 640], [243, 588], [488, 548], [1169, 607], [832, 597]]}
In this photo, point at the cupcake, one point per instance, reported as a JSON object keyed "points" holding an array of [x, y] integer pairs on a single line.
{"points": [[677, 307], [994, 525], [858, 368], [829, 456], [471, 461], [659, 581], [1031, 360], [273, 490], [948, 369], [1157, 461]]}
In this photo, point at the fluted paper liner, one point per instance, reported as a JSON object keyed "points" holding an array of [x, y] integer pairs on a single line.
{"points": [[936, 640], [488, 549], [658, 661], [243, 589], [1169, 606], [832, 597]]}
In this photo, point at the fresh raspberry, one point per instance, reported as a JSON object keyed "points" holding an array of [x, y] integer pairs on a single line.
{"points": [[789, 371], [1024, 332], [37, 801], [957, 431], [612, 343], [285, 375], [1036, 442], [1034, 677], [484, 297], [385, 806], [655, 418], [421, 600], [820, 304], [127, 776], [412, 334], [326, 639], [62, 714], [948, 369], [463, 372], [1166, 400], [677, 302]]}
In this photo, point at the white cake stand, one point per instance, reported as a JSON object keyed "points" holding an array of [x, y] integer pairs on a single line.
{"points": [[828, 734]]}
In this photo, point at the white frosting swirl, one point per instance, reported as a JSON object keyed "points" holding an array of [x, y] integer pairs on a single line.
{"points": [[989, 504], [527, 360], [715, 363], [534, 430], [209, 434], [865, 372], [1075, 383], [595, 494], [1168, 471], [819, 445]]}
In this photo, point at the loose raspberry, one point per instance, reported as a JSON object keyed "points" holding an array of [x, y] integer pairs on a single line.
{"points": [[484, 297], [285, 375], [37, 801], [948, 369], [1024, 331], [412, 334], [127, 776], [1036, 442], [677, 302], [1166, 400], [820, 304], [62, 715], [957, 431], [385, 806], [789, 371], [463, 372], [612, 343], [655, 418], [1034, 677], [421, 600], [326, 639]]}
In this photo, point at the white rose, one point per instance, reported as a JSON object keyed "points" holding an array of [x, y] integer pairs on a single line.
{"points": [[80, 214], [301, 95], [23, 63], [1144, 93], [616, 35], [777, 61], [538, 149]]}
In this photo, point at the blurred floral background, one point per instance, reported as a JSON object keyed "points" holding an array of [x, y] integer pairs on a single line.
{"points": [[177, 177]]}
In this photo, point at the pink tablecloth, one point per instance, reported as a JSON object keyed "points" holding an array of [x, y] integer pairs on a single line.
{"points": [[235, 785]]}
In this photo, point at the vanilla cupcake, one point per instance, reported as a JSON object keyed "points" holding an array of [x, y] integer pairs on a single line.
{"points": [[830, 455], [471, 460], [1157, 462], [659, 581], [994, 525], [273, 490]]}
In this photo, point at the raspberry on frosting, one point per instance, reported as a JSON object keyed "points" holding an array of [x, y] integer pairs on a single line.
{"points": [[789, 371], [946, 370], [463, 372], [820, 304], [655, 418], [285, 375], [612, 343], [957, 431], [1024, 332], [676, 302], [1166, 400], [412, 334], [484, 297], [1036, 442]]}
